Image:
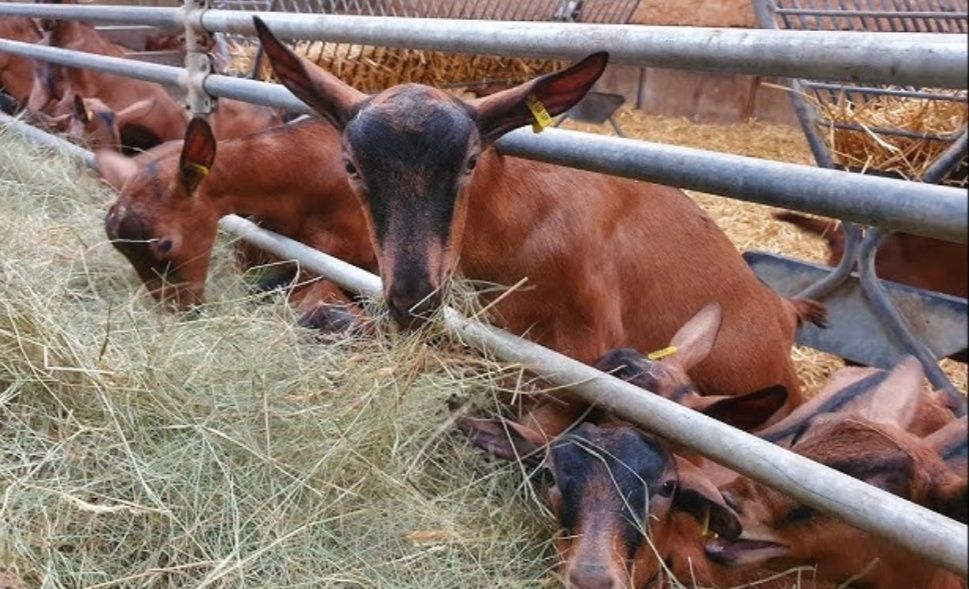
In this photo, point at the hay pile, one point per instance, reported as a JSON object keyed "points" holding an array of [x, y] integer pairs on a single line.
{"points": [[140, 450], [907, 157], [371, 69]]}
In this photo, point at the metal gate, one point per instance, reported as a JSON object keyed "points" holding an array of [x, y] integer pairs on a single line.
{"points": [[873, 322]]}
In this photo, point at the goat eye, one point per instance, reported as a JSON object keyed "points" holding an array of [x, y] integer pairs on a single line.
{"points": [[667, 490], [350, 168], [799, 514], [472, 162]]}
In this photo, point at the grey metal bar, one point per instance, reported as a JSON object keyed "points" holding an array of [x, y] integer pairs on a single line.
{"points": [[898, 58], [932, 211], [150, 72], [44, 138], [924, 532], [168, 18], [881, 305], [948, 160], [863, 13], [921, 209], [888, 131], [935, 60], [889, 92]]}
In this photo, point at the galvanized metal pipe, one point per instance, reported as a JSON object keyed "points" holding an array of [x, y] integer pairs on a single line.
{"points": [[916, 59], [921, 209], [119, 66], [167, 18], [924, 532], [932, 211]]}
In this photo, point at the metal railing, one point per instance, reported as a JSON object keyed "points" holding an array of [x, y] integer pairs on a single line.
{"points": [[901, 58], [809, 99], [921, 209]]}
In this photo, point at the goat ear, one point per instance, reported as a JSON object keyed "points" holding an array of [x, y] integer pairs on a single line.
{"points": [[114, 168], [329, 96], [697, 495], [694, 341], [951, 499], [504, 111], [951, 443], [744, 551], [80, 110], [198, 155], [896, 400], [746, 412], [135, 111], [504, 439]]}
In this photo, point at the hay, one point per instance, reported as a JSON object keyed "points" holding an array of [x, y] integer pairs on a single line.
{"points": [[371, 69], [908, 157], [140, 449]]}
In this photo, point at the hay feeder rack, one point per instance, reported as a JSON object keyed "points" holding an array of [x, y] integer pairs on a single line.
{"points": [[596, 108], [872, 322]]}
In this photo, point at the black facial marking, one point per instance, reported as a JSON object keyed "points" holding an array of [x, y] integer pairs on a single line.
{"points": [[958, 449], [832, 405], [107, 117], [410, 154], [608, 473], [893, 474], [800, 514]]}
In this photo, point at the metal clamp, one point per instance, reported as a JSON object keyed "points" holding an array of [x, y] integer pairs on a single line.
{"points": [[198, 62]]}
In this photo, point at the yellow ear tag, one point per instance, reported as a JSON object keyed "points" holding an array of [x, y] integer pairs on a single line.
{"points": [[706, 533], [662, 353], [198, 169], [542, 118], [88, 115]]}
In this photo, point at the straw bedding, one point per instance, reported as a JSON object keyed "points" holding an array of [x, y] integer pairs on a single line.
{"points": [[371, 69], [138, 449]]}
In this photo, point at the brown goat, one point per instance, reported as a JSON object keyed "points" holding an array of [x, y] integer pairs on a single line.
{"points": [[952, 444], [95, 125], [16, 72], [780, 532], [667, 375], [55, 86], [621, 498], [676, 538], [609, 262], [51, 92], [287, 178], [918, 261]]}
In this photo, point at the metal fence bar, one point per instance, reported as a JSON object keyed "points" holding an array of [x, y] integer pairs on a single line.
{"points": [[924, 532], [885, 202], [119, 66], [168, 18], [921, 209], [933, 60]]}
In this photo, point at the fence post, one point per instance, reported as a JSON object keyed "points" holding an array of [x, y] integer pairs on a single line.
{"points": [[198, 62]]}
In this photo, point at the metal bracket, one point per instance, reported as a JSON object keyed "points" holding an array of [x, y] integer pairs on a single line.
{"points": [[198, 62]]}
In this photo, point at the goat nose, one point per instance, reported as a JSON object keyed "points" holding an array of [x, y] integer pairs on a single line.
{"points": [[592, 577], [411, 307]]}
